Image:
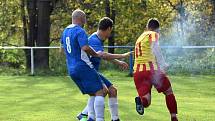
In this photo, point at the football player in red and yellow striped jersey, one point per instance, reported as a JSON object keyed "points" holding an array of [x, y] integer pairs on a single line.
{"points": [[149, 70]]}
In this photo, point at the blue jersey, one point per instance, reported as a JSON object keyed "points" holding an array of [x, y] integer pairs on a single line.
{"points": [[96, 43], [73, 39]]}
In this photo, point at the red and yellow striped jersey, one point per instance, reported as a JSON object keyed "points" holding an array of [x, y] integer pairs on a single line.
{"points": [[144, 57]]}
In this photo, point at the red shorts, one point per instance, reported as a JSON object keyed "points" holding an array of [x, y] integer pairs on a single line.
{"points": [[146, 78]]}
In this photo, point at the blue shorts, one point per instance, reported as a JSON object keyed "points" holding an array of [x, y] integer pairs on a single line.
{"points": [[87, 79], [105, 81]]}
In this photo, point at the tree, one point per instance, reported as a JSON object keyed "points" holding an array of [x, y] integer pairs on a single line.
{"points": [[25, 36], [212, 19], [39, 29], [111, 13]]}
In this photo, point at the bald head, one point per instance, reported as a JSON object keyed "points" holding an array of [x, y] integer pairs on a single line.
{"points": [[78, 17]]}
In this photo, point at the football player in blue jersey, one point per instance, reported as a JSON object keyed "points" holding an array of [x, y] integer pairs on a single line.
{"points": [[75, 43], [96, 42]]}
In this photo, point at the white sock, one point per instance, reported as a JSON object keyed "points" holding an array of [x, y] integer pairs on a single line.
{"points": [[99, 108], [90, 105], [113, 105], [85, 111]]}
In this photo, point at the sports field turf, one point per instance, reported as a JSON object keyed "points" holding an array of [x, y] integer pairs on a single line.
{"points": [[27, 98]]}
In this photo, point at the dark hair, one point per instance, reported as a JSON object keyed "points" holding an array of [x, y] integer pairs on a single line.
{"points": [[153, 24], [105, 23]]}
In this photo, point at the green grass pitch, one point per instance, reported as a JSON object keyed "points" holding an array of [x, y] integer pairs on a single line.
{"points": [[26, 98]]}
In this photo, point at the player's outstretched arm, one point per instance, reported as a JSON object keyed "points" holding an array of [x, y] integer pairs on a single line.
{"points": [[110, 56], [92, 52]]}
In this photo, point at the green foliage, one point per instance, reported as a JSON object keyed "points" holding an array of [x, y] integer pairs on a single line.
{"points": [[57, 62], [130, 20], [190, 61], [12, 62], [10, 23], [13, 58]]}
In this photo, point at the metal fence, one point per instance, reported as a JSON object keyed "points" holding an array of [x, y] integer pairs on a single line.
{"points": [[173, 52]]}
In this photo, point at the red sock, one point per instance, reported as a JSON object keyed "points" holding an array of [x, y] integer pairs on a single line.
{"points": [[171, 104], [144, 102], [174, 119]]}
